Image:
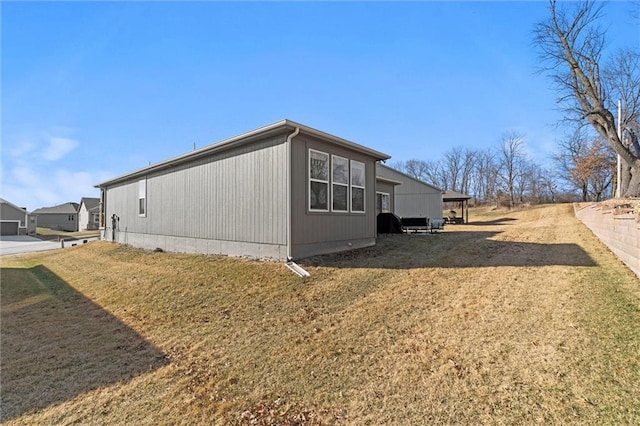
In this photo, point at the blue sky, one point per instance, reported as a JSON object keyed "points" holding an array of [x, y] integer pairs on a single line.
{"points": [[92, 90]]}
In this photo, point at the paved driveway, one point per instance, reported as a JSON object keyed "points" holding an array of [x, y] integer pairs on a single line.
{"points": [[15, 244]]}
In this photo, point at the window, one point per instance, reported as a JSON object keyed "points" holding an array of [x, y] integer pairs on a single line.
{"points": [[382, 202], [336, 180], [70, 218], [357, 186], [318, 181], [142, 198], [339, 184]]}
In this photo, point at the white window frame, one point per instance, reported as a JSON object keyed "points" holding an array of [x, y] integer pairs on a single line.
{"points": [[327, 182], [363, 187], [142, 198], [345, 184], [383, 195]]}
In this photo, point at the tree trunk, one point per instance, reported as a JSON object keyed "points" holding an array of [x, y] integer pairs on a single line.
{"points": [[630, 181]]}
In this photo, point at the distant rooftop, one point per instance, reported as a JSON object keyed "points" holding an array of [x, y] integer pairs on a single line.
{"points": [[90, 203], [66, 208]]}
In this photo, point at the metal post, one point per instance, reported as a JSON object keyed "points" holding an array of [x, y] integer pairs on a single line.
{"points": [[619, 165]]}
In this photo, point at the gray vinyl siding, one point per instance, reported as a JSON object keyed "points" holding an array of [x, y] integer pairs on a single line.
{"points": [[413, 198], [236, 195], [59, 221], [12, 220], [323, 232], [9, 213], [387, 188]]}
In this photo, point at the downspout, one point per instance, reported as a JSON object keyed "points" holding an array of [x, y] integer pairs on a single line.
{"points": [[288, 148], [297, 269]]}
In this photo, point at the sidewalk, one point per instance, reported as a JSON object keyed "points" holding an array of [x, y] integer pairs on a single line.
{"points": [[16, 244]]}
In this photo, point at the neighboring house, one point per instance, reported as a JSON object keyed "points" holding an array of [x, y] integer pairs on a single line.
{"points": [[412, 198], [16, 220], [282, 191], [63, 217], [89, 214]]}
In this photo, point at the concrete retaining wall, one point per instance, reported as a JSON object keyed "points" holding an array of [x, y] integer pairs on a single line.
{"points": [[619, 232]]}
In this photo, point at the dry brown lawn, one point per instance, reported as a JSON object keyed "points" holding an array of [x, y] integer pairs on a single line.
{"points": [[517, 318], [52, 234]]}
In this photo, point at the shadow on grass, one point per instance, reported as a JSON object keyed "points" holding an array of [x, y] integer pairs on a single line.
{"points": [[465, 249], [57, 344], [499, 221]]}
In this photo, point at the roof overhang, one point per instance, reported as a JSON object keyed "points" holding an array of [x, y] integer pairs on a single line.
{"points": [[387, 180], [280, 127], [449, 196], [391, 169]]}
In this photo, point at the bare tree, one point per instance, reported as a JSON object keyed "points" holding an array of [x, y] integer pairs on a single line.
{"points": [[524, 179], [469, 158], [416, 168], [453, 164], [571, 46], [437, 175], [511, 156], [547, 186], [485, 175], [571, 150], [587, 164], [431, 172], [599, 165]]}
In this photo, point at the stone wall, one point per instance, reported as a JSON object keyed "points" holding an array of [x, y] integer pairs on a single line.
{"points": [[617, 228]]}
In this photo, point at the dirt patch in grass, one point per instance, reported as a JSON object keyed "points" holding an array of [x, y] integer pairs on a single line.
{"points": [[520, 317]]}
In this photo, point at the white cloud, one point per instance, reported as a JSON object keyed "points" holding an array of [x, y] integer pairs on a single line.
{"points": [[35, 187], [58, 148], [24, 176], [31, 176], [21, 149]]}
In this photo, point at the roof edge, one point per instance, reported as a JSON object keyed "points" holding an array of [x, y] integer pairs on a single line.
{"points": [[388, 180], [244, 138], [14, 205], [412, 178]]}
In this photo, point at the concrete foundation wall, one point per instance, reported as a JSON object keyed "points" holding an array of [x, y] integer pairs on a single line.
{"points": [[175, 244], [621, 233]]}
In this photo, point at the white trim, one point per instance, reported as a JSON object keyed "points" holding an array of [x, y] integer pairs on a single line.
{"points": [[381, 204], [142, 196], [345, 184], [363, 187], [327, 182]]}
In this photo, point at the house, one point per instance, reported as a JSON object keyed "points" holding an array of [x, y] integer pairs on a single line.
{"points": [[282, 191], [89, 214], [412, 198], [63, 217], [16, 220]]}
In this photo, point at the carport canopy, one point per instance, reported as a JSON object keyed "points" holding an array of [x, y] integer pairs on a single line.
{"points": [[463, 199]]}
